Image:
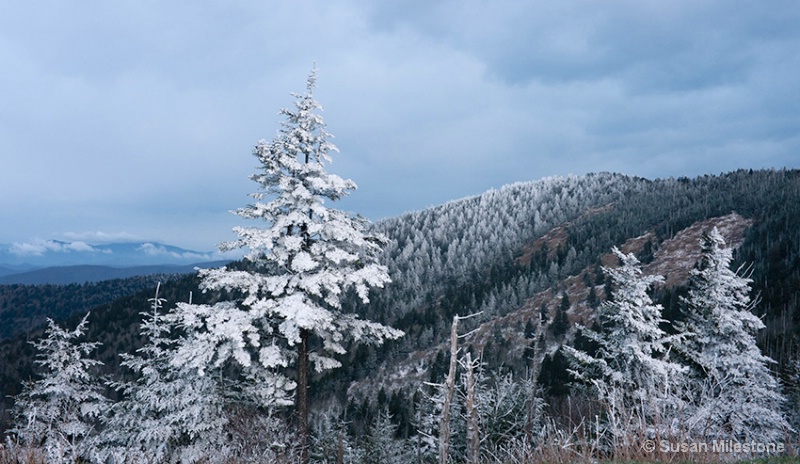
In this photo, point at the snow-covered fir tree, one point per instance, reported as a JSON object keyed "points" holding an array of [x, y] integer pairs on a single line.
{"points": [[330, 440], [380, 445], [58, 412], [169, 413], [300, 263], [427, 414], [510, 414], [735, 395], [630, 373]]}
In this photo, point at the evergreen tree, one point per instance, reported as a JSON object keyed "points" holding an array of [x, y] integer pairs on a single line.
{"points": [[298, 268], [58, 412], [592, 299], [630, 373], [379, 443], [510, 411], [330, 442], [560, 323], [530, 330], [544, 313], [736, 396], [169, 413]]}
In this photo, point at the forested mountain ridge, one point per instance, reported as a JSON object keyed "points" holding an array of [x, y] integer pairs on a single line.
{"points": [[475, 254], [515, 250], [25, 307], [116, 308], [508, 341], [524, 250]]}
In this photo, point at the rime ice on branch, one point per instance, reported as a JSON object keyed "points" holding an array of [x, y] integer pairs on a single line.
{"points": [[735, 395], [299, 264], [57, 413], [169, 413], [631, 374]]}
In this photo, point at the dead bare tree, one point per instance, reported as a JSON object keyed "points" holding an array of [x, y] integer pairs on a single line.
{"points": [[473, 432], [450, 384]]}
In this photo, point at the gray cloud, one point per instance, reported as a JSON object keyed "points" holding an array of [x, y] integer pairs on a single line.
{"points": [[140, 116]]}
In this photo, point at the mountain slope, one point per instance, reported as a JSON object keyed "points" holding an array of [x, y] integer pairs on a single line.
{"points": [[674, 259], [514, 254], [475, 254], [485, 254]]}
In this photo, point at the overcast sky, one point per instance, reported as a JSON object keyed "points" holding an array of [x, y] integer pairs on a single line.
{"points": [[136, 119]]}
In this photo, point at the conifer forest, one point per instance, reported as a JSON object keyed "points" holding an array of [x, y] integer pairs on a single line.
{"points": [[593, 318]]}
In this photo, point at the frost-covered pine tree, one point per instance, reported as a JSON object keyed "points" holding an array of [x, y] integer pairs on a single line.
{"points": [[379, 443], [427, 413], [300, 262], [169, 413], [510, 414], [330, 440], [58, 412], [735, 395], [630, 373]]}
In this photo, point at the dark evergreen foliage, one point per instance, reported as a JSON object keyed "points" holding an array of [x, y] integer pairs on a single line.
{"points": [[560, 323], [489, 253]]}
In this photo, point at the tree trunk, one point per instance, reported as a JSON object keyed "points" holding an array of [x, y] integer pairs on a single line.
{"points": [[533, 375], [473, 433], [340, 450], [302, 396], [450, 384]]}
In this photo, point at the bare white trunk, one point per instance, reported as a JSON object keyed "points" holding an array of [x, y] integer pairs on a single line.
{"points": [[473, 434], [450, 384]]}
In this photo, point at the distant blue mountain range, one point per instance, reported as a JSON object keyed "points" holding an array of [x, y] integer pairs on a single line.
{"points": [[62, 275], [58, 262]]}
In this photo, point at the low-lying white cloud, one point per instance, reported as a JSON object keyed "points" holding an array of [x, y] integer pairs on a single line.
{"points": [[154, 249], [98, 237], [40, 247]]}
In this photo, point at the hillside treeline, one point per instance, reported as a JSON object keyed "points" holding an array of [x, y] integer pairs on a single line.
{"points": [[493, 255]]}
